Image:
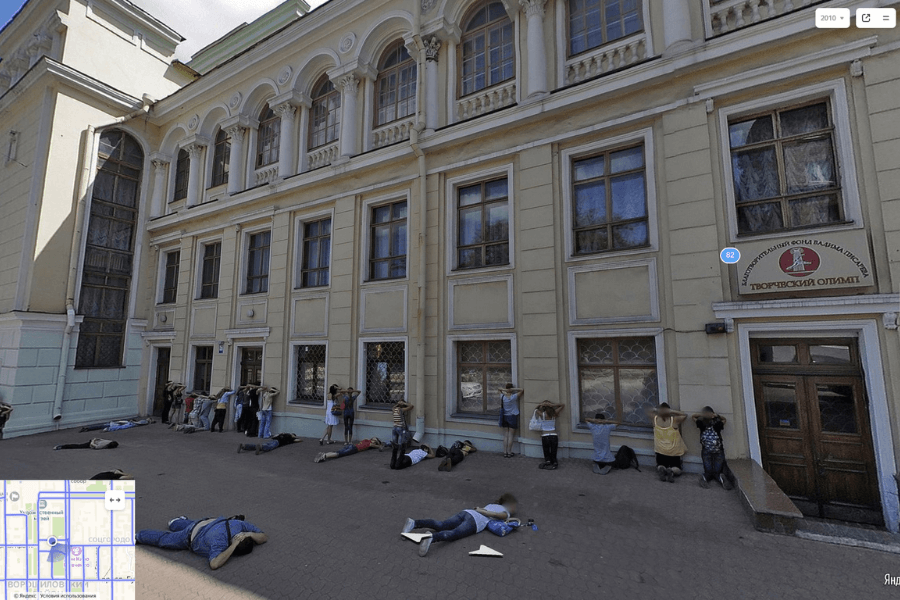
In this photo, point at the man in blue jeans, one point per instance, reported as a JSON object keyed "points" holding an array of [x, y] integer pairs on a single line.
{"points": [[463, 524], [215, 539], [282, 439]]}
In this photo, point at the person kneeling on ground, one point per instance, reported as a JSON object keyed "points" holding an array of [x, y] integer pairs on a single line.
{"points": [[215, 539], [350, 450], [413, 458], [712, 450], [455, 455], [463, 524], [94, 444], [667, 441], [600, 428], [282, 439]]}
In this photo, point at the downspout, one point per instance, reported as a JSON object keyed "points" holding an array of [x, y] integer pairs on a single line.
{"points": [[90, 147], [423, 223]]}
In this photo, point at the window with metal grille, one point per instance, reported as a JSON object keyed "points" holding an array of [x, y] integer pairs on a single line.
{"points": [[483, 221], [182, 175], [593, 23], [396, 85], [316, 253], [385, 372], [784, 169], [221, 156], [269, 138], [310, 386], [258, 263], [387, 254], [482, 368], [109, 252], [487, 50], [170, 277], [618, 377], [209, 271], [203, 360], [609, 201], [325, 114]]}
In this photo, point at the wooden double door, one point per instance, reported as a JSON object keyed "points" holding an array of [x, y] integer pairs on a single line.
{"points": [[814, 427]]}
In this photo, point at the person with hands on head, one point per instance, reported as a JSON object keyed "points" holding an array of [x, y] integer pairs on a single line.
{"points": [[400, 431], [549, 439], [667, 441], [348, 411], [509, 416], [216, 539], [600, 428]]}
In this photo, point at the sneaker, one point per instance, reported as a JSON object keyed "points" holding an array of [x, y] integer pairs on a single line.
{"points": [[240, 448], [662, 472], [543, 465], [258, 449], [175, 519], [408, 526], [57, 447], [670, 475], [725, 483], [320, 457], [595, 468], [445, 464], [704, 483], [606, 469], [424, 545], [552, 467]]}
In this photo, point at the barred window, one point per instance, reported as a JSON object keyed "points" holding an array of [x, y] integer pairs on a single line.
{"points": [[387, 257], [618, 377], [221, 156], [325, 114], [258, 263], [482, 368], [483, 221], [109, 252], [609, 200], [182, 175], [385, 372], [269, 138], [310, 363], [170, 277], [396, 85], [487, 50], [209, 275], [593, 23], [784, 169], [203, 359], [314, 270]]}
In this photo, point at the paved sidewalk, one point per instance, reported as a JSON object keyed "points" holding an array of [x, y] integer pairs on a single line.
{"points": [[334, 527]]}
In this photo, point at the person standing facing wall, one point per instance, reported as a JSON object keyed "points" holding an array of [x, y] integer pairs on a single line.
{"points": [[509, 416]]}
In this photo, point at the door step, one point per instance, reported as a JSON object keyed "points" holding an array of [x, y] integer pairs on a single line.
{"points": [[769, 508], [849, 535]]}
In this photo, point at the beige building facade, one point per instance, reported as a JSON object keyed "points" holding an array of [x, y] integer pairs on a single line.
{"points": [[425, 200]]}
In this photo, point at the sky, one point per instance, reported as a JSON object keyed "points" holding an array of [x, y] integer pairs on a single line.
{"points": [[200, 21]]}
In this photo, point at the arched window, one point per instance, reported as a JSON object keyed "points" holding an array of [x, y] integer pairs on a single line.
{"points": [[182, 175], [325, 114], [593, 23], [396, 85], [109, 251], [488, 51], [221, 156], [269, 139]]}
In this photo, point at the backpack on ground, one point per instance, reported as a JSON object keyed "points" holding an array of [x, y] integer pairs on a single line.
{"points": [[626, 458]]}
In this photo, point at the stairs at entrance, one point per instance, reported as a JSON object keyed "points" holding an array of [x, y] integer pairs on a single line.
{"points": [[769, 508]]}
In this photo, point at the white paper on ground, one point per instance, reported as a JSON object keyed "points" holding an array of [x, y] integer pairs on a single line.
{"points": [[485, 551], [416, 537]]}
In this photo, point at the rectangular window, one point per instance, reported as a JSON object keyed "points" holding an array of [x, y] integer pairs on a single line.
{"points": [[258, 262], [203, 359], [310, 386], [385, 372], [170, 277], [209, 271], [483, 224], [609, 201], [593, 23], [314, 270], [387, 255], [784, 169], [482, 368], [618, 377]]}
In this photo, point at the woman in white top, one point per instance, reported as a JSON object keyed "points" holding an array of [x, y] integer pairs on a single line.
{"points": [[509, 416], [549, 439], [330, 418]]}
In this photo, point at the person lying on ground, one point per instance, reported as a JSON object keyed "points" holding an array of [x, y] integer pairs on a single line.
{"points": [[455, 455], [712, 451], [350, 450], [117, 425], [667, 441], [413, 458], [282, 439], [95, 444], [463, 524], [215, 539], [115, 475]]}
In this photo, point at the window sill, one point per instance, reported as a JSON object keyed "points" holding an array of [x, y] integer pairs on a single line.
{"points": [[476, 418], [632, 431], [248, 294], [385, 408], [369, 282], [612, 254], [77, 368], [307, 403], [783, 233], [311, 289], [210, 300], [457, 272]]}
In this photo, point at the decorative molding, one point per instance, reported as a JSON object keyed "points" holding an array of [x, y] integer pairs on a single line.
{"points": [[349, 84], [856, 68], [194, 150], [347, 42], [285, 110], [235, 100], [247, 333], [808, 307], [284, 75], [889, 319], [533, 8], [236, 132], [194, 122], [652, 288], [427, 5], [432, 48], [510, 302], [159, 164]]}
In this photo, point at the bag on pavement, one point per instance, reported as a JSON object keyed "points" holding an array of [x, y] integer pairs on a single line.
{"points": [[626, 458], [502, 528]]}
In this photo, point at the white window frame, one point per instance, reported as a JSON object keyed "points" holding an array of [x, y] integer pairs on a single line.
{"points": [[299, 222], [570, 155], [245, 254], [836, 93], [452, 226], [450, 361], [656, 333], [367, 207], [292, 370], [361, 368], [198, 267], [161, 274], [192, 363]]}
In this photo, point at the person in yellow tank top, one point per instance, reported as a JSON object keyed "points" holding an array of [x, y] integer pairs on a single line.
{"points": [[667, 441]]}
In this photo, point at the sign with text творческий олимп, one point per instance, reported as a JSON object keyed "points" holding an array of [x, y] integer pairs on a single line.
{"points": [[805, 263]]}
